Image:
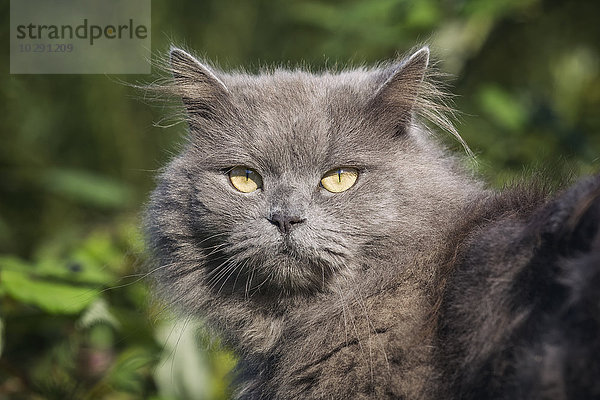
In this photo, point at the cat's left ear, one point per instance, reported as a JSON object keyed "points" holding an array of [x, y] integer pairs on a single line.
{"points": [[203, 93], [398, 95]]}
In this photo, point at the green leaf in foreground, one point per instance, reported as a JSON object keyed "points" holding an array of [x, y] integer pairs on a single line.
{"points": [[53, 297]]}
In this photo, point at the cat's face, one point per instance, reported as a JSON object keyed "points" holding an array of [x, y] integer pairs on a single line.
{"points": [[289, 180]]}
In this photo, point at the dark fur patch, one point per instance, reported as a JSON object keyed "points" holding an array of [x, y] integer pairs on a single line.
{"points": [[521, 310]]}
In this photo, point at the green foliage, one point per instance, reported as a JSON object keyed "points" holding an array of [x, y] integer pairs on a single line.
{"points": [[50, 296], [502, 108], [78, 154], [87, 188], [77, 326]]}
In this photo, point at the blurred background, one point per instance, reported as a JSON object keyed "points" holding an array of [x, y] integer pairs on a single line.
{"points": [[78, 154]]}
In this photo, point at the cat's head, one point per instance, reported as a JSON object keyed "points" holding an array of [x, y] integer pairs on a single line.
{"points": [[290, 180]]}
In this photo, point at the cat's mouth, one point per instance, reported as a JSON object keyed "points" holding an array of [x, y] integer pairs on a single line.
{"points": [[293, 269], [291, 264], [289, 247]]}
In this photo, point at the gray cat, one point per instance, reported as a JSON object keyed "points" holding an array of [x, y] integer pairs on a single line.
{"points": [[319, 227]]}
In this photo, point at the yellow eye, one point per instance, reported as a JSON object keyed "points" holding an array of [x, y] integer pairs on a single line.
{"points": [[339, 179], [244, 179]]}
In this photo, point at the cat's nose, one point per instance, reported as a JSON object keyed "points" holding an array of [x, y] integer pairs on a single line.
{"points": [[285, 223]]}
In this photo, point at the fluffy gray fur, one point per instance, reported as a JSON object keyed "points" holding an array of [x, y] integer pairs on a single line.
{"points": [[344, 305]]}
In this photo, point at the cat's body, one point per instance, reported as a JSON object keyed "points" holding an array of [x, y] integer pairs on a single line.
{"points": [[325, 294], [520, 317]]}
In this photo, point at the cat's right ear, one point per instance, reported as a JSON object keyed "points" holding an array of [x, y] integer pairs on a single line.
{"points": [[202, 92]]}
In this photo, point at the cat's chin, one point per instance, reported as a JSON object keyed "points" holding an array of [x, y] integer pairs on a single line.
{"points": [[296, 269], [281, 272], [300, 275], [279, 265]]}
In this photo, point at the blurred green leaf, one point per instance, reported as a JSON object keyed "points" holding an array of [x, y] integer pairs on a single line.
{"points": [[80, 270], [423, 14], [98, 256], [98, 313], [74, 270], [131, 369], [87, 188], [503, 107], [53, 297]]}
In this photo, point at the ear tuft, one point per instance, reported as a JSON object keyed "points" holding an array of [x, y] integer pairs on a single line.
{"points": [[417, 63], [202, 92], [188, 69], [402, 87]]}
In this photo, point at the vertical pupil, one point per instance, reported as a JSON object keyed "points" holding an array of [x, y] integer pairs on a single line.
{"points": [[339, 171], [247, 174]]}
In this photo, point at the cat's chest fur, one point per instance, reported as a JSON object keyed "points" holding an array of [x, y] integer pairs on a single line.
{"points": [[368, 338]]}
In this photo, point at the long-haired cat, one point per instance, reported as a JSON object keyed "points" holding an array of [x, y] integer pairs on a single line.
{"points": [[318, 226]]}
